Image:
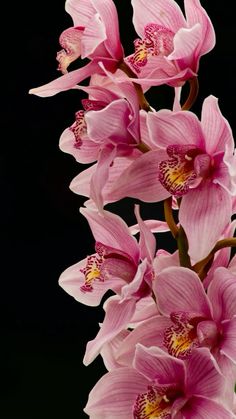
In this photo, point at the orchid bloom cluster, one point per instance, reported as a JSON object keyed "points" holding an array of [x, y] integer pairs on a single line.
{"points": [[168, 338]]}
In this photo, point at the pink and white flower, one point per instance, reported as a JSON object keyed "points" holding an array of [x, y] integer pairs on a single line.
{"points": [[161, 386], [170, 45], [95, 35], [199, 319], [196, 162]]}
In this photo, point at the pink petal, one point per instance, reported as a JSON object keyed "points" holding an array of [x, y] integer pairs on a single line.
{"points": [[166, 13], [204, 209], [186, 42], [196, 14], [166, 128], [93, 35], [72, 279], [81, 11], [148, 333], [147, 241], [138, 287], [106, 124], [140, 179], [144, 310], [81, 183], [156, 364], [222, 294], [203, 408], [155, 226], [106, 158], [164, 260], [115, 394], [118, 315], [144, 133], [110, 229], [109, 351], [180, 289], [228, 346], [67, 81], [108, 14], [216, 128], [87, 153], [222, 257], [203, 375]]}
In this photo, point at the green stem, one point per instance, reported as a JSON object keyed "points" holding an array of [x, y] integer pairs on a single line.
{"points": [[193, 93], [143, 147], [203, 266], [182, 242], [178, 233], [169, 217], [143, 103]]}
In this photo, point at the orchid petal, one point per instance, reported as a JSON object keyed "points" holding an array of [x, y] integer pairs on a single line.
{"points": [[166, 13], [222, 257], [108, 14], [144, 310], [228, 345], [155, 364], [206, 208], [164, 260], [110, 229], [81, 183], [148, 333], [203, 408], [168, 128], [106, 123], [180, 289], [195, 13], [86, 153], [216, 128], [186, 41], [118, 315], [155, 226], [109, 351], [140, 179], [203, 377], [81, 11], [72, 279], [94, 34], [115, 394], [106, 158], [147, 239], [137, 288], [67, 81], [222, 294]]}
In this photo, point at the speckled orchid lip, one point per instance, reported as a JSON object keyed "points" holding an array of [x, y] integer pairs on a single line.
{"points": [[178, 173], [157, 40]]}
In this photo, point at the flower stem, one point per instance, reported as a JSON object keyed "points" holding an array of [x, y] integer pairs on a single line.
{"points": [[204, 265], [143, 103], [178, 233], [143, 147], [182, 243], [193, 93], [169, 217]]}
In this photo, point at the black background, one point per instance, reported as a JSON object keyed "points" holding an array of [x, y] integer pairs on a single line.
{"points": [[44, 331]]}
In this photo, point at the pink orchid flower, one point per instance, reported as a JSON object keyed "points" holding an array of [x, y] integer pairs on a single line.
{"points": [[112, 266], [121, 310], [199, 319], [161, 386], [169, 46], [75, 140], [95, 35], [108, 128], [196, 162]]}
